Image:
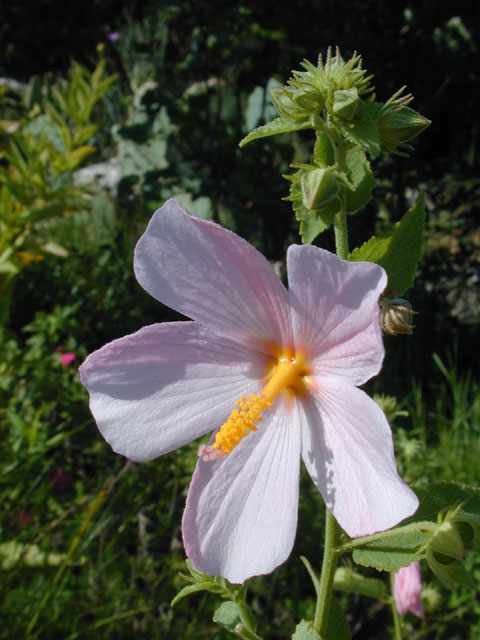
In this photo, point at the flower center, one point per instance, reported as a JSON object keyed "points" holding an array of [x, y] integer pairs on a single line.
{"points": [[287, 375]]}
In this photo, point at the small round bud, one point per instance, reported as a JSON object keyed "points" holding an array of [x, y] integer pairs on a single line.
{"points": [[396, 316]]}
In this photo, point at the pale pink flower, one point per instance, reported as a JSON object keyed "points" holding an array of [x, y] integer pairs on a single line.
{"points": [[407, 588], [67, 358], [114, 36], [302, 352]]}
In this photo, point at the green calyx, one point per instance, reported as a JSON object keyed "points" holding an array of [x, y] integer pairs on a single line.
{"points": [[398, 124]]}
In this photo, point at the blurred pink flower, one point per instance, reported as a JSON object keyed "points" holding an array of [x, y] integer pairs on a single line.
{"points": [[290, 361], [67, 358], [61, 480], [408, 587], [114, 36], [22, 519]]}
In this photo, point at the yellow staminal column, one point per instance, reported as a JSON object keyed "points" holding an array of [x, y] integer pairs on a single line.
{"points": [[288, 374]]}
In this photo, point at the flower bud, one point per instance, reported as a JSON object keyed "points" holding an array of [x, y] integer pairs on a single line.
{"points": [[407, 589], [447, 541], [397, 126], [284, 102], [448, 570], [319, 186], [396, 316], [346, 103]]}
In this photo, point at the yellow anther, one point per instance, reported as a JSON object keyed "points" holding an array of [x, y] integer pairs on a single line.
{"points": [[239, 423], [288, 373]]}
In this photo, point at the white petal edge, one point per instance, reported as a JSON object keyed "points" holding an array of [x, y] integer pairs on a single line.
{"points": [[213, 276], [335, 312], [166, 385], [241, 514], [348, 451]]}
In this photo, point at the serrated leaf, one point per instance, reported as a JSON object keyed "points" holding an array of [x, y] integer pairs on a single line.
{"points": [[306, 631], [362, 178], [273, 128], [312, 221], [336, 627], [349, 581], [398, 251], [393, 553]]}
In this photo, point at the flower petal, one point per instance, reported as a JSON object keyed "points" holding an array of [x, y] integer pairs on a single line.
{"points": [[166, 385], [241, 513], [348, 451], [335, 312], [212, 275]]}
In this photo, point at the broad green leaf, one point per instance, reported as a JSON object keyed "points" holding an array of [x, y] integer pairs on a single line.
{"points": [[362, 178], [279, 125], [336, 627], [392, 553], [306, 631], [349, 581], [398, 251]]}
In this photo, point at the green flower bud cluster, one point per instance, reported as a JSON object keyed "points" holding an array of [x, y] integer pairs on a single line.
{"points": [[334, 85], [447, 548]]}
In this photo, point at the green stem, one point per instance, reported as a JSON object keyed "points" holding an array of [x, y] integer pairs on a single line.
{"points": [[329, 564], [396, 617], [341, 233]]}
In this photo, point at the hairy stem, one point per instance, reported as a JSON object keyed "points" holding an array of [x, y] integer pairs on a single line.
{"points": [[329, 564], [396, 617]]}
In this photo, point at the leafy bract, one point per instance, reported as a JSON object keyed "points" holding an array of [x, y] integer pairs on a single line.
{"points": [[398, 251], [361, 177]]}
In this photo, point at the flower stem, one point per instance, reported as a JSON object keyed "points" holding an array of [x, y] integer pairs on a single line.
{"points": [[329, 564], [341, 233], [396, 618]]}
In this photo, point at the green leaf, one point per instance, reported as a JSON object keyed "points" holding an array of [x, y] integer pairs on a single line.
{"points": [[336, 627], [227, 615], [279, 125], [392, 553], [362, 178], [312, 221], [398, 251], [362, 131], [446, 495], [349, 581], [186, 591], [306, 631]]}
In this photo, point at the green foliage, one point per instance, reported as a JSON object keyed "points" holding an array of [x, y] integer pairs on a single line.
{"points": [[36, 179], [399, 251]]}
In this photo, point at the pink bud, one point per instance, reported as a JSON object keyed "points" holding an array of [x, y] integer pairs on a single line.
{"points": [[408, 587], [67, 358]]}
